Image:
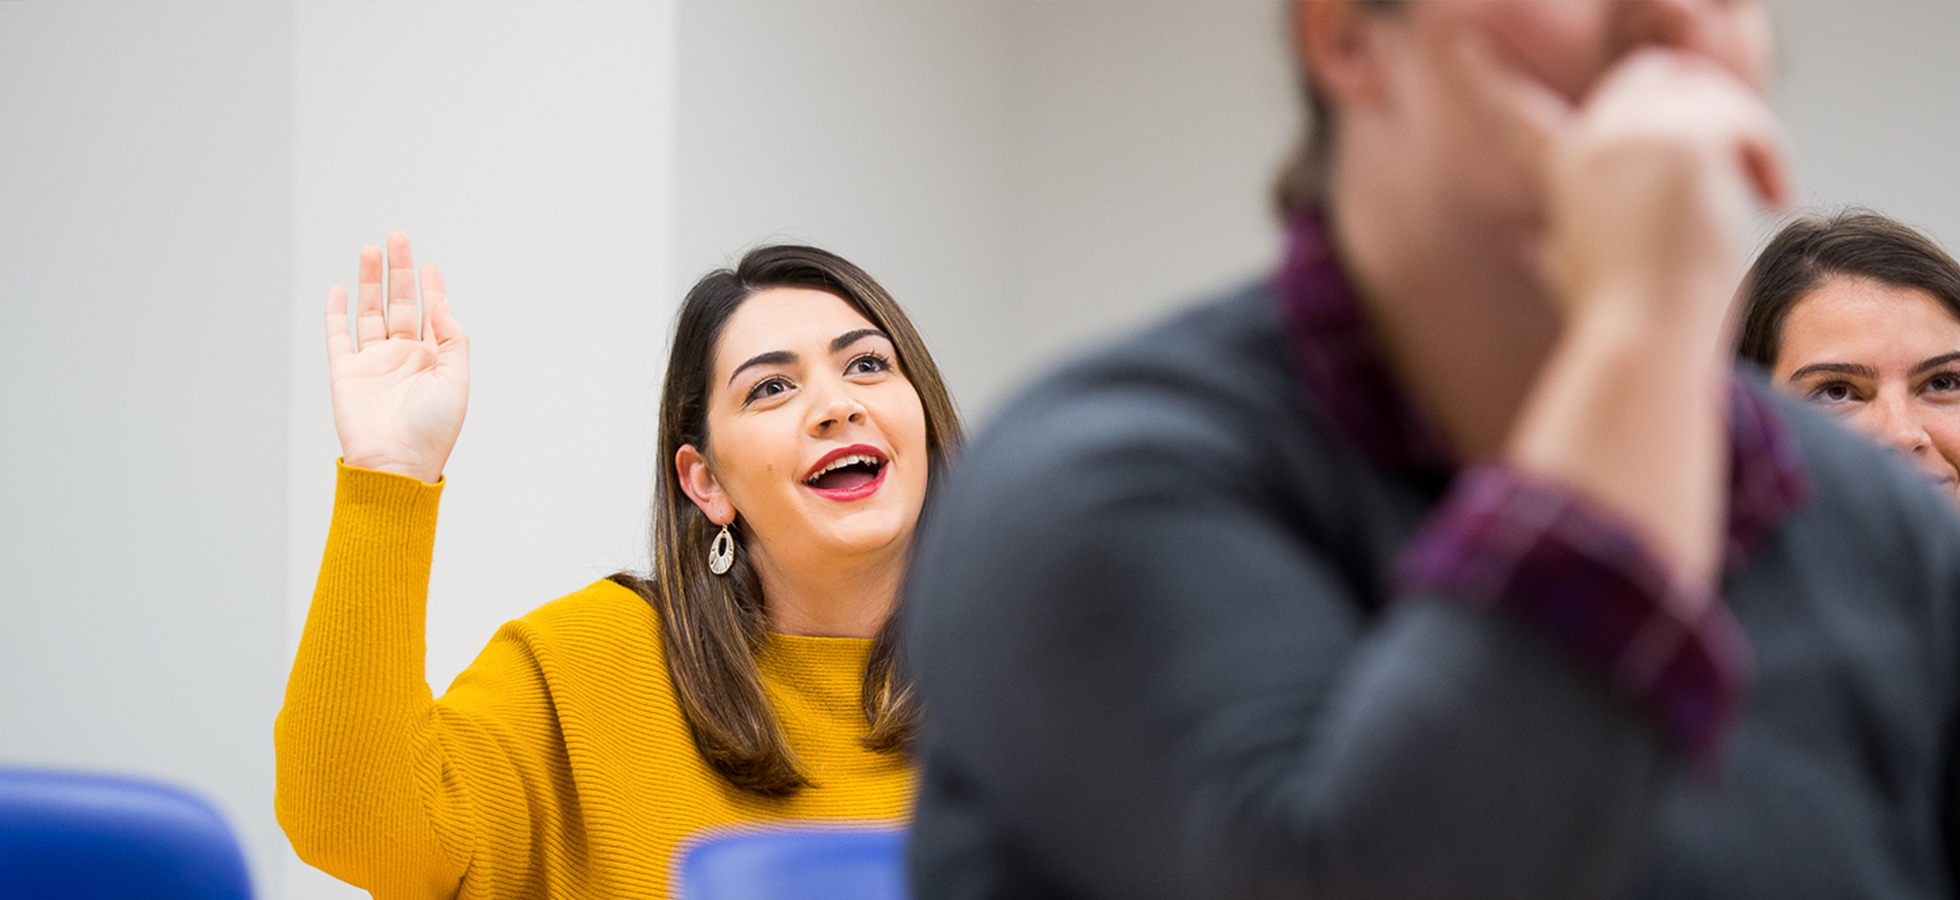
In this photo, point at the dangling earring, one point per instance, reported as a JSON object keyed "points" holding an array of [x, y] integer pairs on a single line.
{"points": [[721, 553]]}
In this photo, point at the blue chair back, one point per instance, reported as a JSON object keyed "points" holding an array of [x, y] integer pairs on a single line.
{"points": [[801, 864], [74, 836]]}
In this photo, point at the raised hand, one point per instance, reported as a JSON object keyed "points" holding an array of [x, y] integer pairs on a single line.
{"points": [[399, 399]]}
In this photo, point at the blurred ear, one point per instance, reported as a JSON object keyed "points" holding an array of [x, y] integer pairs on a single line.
{"points": [[701, 487], [1338, 41]]}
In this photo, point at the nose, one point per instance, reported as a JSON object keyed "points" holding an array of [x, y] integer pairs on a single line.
{"points": [[837, 406], [1895, 423]]}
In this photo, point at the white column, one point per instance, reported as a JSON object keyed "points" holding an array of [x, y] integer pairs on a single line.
{"points": [[144, 158]]}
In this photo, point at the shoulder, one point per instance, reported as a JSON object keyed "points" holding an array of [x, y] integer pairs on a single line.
{"points": [[1221, 358], [1201, 411], [1211, 384], [1146, 457], [603, 620], [590, 661]]}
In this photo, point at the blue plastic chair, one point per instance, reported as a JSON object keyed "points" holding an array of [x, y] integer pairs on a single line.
{"points": [[74, 836], [802, 864]]}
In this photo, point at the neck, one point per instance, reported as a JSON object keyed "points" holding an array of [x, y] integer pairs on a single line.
{"points": [[850, 597], [1464, 320]]}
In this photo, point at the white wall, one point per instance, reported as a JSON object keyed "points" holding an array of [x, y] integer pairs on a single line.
{"points": [[1871, 96], [144, 242], [1149, 137], [1023, 176], [880, 130], [179, 183]]}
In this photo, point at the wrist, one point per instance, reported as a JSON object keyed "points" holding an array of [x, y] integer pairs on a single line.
{"points": [[1629, 413], [426, 473], [1685, 322]]}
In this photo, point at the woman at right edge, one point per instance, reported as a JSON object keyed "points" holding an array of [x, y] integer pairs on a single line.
{"points": [[1435, 564]]}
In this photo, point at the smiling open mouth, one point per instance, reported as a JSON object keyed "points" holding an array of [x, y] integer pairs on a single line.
{"points": [[848, 473]]}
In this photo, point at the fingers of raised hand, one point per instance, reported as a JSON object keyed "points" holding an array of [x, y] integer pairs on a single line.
{"points": [[443, 328], [404, 313], [369, 322], [433, 293], [339, 342]]}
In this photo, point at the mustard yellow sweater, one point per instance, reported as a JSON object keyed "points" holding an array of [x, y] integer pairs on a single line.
{"points": [[558, 764]]}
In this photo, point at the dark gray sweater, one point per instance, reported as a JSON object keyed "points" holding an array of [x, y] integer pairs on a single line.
{"points": [[1148, 617]]}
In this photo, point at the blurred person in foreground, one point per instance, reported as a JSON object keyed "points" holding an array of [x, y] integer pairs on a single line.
{"points": [[749, 679], [1452, 559], [1860, 316]]}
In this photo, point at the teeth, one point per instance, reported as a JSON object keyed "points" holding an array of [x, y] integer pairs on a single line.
{"points": [[842, 461]]}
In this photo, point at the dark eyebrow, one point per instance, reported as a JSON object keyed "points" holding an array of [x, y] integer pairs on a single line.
{"points": [[772, 358], [1839, 368], [851, 337], [1935, 362], [783, 357]]}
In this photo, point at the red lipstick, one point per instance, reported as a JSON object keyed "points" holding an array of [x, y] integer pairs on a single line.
{"points": [[848, 473]]}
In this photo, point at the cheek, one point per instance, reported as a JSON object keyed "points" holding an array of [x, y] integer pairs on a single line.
{"points": [[903, 419], [901, 416], [1943, 426], [1563, 45], [750, 460]]}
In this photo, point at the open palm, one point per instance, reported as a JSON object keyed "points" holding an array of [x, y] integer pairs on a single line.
{"points": [[398, 400]]}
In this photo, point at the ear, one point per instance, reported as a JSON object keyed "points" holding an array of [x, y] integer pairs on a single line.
{"points": [[698, 481], [1337, 42]]}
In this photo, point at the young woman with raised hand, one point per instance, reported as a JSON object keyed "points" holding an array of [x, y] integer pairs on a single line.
{"points": [[1859, 315], [748, 678]]}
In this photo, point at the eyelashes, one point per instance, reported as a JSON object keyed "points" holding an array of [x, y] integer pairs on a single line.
{"points": [[877, 362], [1837, 391], [767, 387], [867, 363]]}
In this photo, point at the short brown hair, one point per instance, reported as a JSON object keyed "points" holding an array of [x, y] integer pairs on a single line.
{"points": [[711, 625], [1854, 243]]}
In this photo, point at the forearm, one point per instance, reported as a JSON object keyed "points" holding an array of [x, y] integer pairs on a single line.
{"points": [[1629, 412], [357, 702]]}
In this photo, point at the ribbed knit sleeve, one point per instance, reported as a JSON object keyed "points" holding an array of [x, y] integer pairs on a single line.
{"points": [[358, 786], [558, 764]]}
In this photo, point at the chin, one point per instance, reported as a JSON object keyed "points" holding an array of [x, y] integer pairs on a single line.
{"points": [[867, 531]]}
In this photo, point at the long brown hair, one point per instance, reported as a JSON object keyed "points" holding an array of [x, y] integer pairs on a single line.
{"points": [[712, 625], [1856, 243]]}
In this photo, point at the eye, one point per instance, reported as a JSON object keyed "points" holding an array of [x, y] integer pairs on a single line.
{"points": [[1944, 382], [766, 388], [1832, 392], [867, 364]]}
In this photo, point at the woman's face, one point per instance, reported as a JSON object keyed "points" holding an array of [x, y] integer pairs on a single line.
{"points": [[1886, 359], [816, 439]]}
